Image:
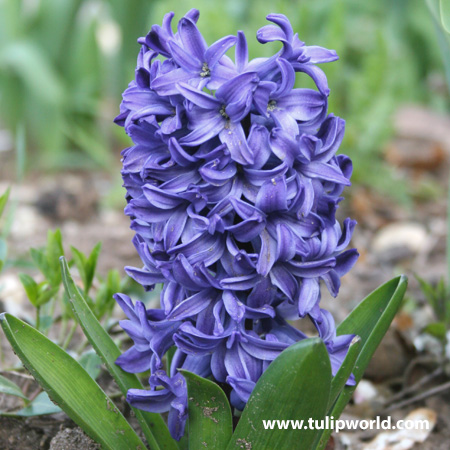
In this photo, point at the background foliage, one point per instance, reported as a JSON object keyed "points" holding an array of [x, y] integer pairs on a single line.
{"points": [[63, 66]]}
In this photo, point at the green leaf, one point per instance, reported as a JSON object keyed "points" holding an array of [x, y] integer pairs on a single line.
{"points": [[40, 406], [369, 320], [80, 261], [69, 385], [445, 14], [210, 421], [4, 200], [296, 386], [31, 288], [104, 300], [153, 426], [3, 249], [91, 265], [437, 330], [46, 293], [11, 388], [54, 251], [91, 363], [342, 375], [31, 65], [40, 260]]}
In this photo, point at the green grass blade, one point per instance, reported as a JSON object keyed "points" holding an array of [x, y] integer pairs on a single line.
{"points": [[10, 388], [4, 200], [341, 377], [153, 425], [70, 386], [210, 422], [444, 8], [369, 320], [296, 386]]}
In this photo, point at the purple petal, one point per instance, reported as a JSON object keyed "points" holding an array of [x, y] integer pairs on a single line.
{"points": [[174, 228], [184, 59], [134, 361], [272, 196], [161, 199], [144, 277], [258, 142], [185, 274], [302, 104], [211, 125], [152, 401], [198, 97], [241, 55], [311, 269], [283, 146], [325, 172], [309, 296], [284, 280], [316, 74], [242, 387], [239, 283], [345, 261], [218, 49], [166, 84], [267, 254], [236, 89], [319, 55], [233, 305], [285, 243], [234, 137], [192, 39], [192, 305]]}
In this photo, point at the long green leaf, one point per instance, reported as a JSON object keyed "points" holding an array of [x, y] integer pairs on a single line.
{"points": [[69, 385], [445, 14], [40, 406], [210, 421], [296, 386], [11, 388], [153, 426], [30, 286], [4, 200], [369, 320], [341, 377]]}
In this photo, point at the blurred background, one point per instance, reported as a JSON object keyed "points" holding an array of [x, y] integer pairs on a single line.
{"points": [[64, 65]]}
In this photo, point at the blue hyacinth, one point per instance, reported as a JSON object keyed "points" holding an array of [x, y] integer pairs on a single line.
{"points": [[232, 184]]}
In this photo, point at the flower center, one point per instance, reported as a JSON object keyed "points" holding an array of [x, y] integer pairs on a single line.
{"points": [[271, 105], [223, 113], [205, 71]]}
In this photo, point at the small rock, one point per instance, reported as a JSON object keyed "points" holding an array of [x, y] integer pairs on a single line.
{"points": [[399, 240], [365, 392], [73, 439], [417, 154], [419, 123], [390, 359], [404, 439], [68, 198]]}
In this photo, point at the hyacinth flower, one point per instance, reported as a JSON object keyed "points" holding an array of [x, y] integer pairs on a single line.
{"points": [[233, 183]]}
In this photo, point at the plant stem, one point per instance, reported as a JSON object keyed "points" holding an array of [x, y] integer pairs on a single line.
{"points": [[430, 392], [38, 317], [448, 236], [62, 330], [70, 335]]}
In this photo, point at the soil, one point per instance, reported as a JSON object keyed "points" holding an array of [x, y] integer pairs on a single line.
{"points": [[391, 239]]}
